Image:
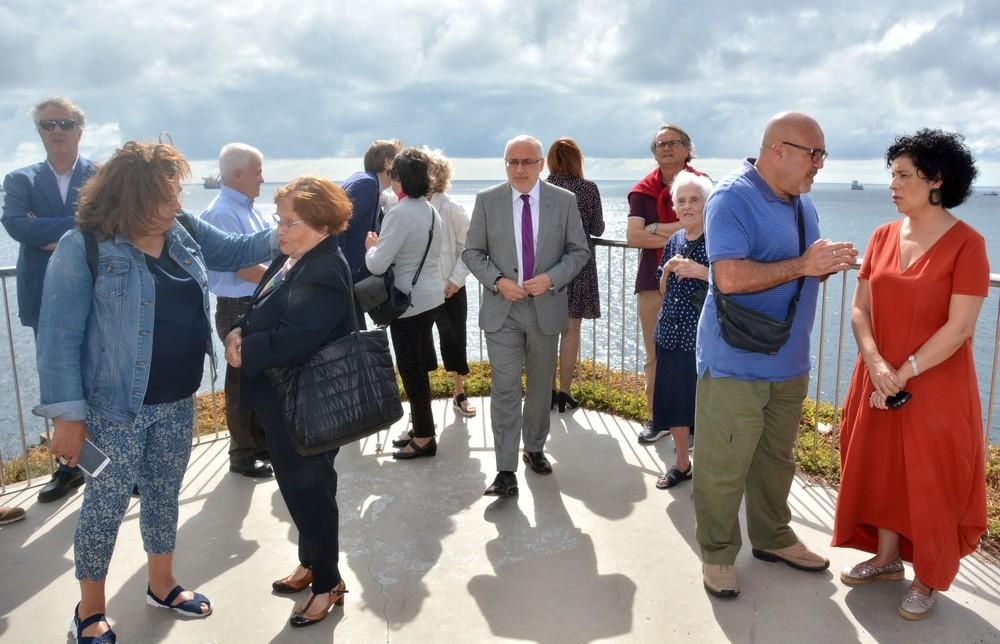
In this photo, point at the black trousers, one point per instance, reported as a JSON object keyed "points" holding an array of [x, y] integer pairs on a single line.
{"points": [[308, 484], [413, 343], [451, 332], [246, 434]]}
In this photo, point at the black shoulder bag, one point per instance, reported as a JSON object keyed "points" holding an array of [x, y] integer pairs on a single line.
{"points": [[344, 392], [700, 292], [750, 330], [378, 296]]}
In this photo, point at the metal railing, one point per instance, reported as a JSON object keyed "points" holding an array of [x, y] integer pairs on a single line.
{"points": [[613, 340]]}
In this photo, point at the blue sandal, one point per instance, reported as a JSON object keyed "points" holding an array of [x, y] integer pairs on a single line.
{"points": [[76, 627], [189, 608]]}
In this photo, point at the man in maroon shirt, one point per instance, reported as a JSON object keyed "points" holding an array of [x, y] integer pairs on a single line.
{"points": [[651, 221]]}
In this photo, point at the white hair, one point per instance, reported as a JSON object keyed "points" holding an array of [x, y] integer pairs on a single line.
{"points": [[685, 178], [237, 156], [524, 138]]}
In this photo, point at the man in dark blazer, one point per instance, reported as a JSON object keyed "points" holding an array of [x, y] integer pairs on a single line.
{"points": [[38, 207], [525, 244]]}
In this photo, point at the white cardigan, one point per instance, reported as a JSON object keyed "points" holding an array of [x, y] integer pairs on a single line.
{"points": [[455, 224]]}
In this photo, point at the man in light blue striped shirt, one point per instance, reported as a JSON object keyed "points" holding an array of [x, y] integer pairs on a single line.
{"points": [[241, 168]]}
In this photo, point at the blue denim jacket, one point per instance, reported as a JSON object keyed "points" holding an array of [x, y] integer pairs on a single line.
{"points": [[95, 337]]}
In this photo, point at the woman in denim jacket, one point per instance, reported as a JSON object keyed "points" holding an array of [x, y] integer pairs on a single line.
{"points": [[120, 355]]}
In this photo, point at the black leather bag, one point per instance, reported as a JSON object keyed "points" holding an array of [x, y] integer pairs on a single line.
{"points": [[750, 330], [378, 296], [346, 391], [380, 299], [700, 292], [698, 295]]}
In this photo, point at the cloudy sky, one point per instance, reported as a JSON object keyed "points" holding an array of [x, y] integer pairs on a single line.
{"points": [[306, 80]]}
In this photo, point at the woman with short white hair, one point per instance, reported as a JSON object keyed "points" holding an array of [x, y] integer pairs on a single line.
{"points": [[683, 278]]}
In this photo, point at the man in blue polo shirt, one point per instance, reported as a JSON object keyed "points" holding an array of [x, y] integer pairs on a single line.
{"points": [[241, 169], [749, 404]]}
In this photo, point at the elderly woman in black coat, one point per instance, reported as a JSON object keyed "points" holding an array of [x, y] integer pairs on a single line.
{"points": [[301, 304]]}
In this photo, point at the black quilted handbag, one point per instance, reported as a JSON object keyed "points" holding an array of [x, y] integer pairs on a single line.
{"points": [[345, 392]]}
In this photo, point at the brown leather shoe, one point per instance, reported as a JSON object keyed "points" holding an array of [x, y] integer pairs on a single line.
{"points": [[720, 580], [293, 583], [796, 555], [10, 515]]}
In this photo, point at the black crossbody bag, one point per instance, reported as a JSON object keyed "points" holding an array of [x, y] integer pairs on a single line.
{"points": [[750, 330], [378, 295]]}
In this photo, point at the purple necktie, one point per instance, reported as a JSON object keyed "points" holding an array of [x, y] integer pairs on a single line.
{"points": [[527, 240]]}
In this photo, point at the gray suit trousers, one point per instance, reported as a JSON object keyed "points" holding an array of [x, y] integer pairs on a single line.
{"points": [[520, 343]]}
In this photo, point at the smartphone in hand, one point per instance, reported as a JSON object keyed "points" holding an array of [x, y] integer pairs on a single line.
{"points": [[898, 400], [92, 459]]}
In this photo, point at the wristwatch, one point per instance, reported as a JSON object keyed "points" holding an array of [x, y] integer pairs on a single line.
{"points": [[653, 226], [494, 285]]}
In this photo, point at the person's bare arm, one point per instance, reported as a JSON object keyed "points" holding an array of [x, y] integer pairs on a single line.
{"points": [[748, 276]]}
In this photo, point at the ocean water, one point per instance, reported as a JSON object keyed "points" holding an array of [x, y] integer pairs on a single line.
{"points": [[845, 215]]}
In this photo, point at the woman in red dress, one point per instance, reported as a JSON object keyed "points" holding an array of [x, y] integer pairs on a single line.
{"points": [[912, 474]]}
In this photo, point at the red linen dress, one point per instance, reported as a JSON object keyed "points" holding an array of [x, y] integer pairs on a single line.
{"points": [[917, 470]]}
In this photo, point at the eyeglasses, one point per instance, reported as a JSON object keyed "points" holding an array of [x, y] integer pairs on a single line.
{"points": [[526, 163], [63, 124], [287, 224], [669, 144], [816, 154]]}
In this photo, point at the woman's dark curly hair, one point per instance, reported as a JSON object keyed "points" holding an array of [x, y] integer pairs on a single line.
{"points": [[939, 155]]}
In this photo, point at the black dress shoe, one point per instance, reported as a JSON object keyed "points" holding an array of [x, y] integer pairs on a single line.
{"points": [[505, 484], [537, 462], [62, 483], [403, 442], [555, 399], [252, 468], [430, 448]]}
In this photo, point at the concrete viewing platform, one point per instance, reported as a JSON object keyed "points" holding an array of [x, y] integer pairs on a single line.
{"points": [[593, 552]]}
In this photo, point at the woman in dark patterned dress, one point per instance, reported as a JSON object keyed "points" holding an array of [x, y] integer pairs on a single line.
{"points": [[566, 171]]}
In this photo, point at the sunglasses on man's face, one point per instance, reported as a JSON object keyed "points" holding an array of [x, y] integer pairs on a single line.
{"points": [[62, 124]]}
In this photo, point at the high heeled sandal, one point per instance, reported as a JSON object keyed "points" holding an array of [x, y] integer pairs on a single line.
{"points": [[567, 401], [76, 627], [289, 585], [300, 619], [188, 608]]}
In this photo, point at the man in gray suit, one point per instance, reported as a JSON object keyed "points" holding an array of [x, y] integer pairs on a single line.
{"points": [[525, 243]]}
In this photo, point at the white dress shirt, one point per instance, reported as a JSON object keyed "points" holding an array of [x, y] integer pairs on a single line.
{"points": [[518, 206], [62, 180]]}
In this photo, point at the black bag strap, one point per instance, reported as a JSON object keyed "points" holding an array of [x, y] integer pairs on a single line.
{"points": [[800, 223], [90, 242], [430, 236]]}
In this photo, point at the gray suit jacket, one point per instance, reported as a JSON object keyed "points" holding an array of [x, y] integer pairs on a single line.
{"points": [[561, 250]]}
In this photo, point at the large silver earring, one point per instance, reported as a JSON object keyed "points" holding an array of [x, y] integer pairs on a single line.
{"points": [[934, 196]]}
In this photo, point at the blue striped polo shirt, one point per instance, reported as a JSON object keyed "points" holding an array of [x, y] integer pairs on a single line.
{"points": [[744, 219]]}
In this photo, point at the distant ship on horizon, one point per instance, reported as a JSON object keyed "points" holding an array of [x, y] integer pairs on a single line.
{"points": [[856, 185], [212, 182], [991, 193]]}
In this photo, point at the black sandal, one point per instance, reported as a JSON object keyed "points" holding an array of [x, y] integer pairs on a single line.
{"points": [[672, 478], [402, 442]]}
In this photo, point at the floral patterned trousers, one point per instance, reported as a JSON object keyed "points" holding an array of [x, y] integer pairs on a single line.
{"points": [[152, 453]]}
